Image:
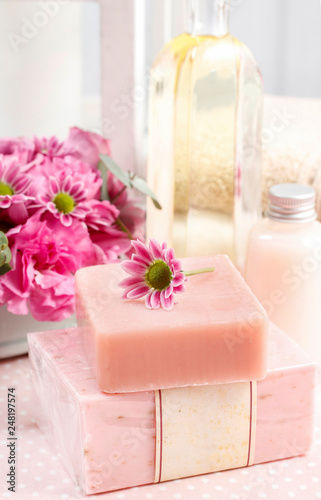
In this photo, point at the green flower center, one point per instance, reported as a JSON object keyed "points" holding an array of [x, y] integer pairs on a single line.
{"points": [[5, 189], [158, 275], [64, 203]]}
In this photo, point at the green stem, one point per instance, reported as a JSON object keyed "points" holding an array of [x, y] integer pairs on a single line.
{"points": [[124, 228], [199, 271], [118, 194]]}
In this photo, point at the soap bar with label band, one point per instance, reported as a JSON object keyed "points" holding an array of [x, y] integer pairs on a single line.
{"points": [[216, 333], [114, 441]]}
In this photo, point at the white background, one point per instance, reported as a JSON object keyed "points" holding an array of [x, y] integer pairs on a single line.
{"points": [[54, 80], [283, 35]]}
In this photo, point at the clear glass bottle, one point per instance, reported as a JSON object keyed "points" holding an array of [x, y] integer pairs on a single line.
{"points": [[205, 115], [283, 264]]}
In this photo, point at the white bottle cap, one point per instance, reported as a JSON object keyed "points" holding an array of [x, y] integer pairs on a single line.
{"points": [[292, 203]]}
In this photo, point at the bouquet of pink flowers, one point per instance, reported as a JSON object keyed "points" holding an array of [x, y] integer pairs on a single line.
{"points": [[56, 220]]}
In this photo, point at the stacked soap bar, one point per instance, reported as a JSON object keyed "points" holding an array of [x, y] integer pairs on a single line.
{"points": [[217, 333], [108, 442]]}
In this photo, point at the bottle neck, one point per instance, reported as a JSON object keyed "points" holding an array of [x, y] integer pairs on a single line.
{"points": [[207, 17], [291, 215], [292, 203]]}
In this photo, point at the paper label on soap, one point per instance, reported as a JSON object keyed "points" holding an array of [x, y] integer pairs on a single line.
{"points": [[204, 429]]}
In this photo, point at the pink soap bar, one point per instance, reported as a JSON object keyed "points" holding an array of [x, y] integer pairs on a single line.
{"points": [[216, 333], [107, 441]]}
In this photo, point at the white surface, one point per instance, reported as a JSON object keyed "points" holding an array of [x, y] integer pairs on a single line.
{"points": [[14, 329]]}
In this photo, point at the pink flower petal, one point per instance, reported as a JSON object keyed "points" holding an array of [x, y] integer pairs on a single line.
{"points": [[148, 300], [141, 260], [5, 201], [169, 255], [21, 185], [130, 288], [76, 188], [178, 280], [67, 184], [51, 207], [81, 210], [54, 186], [176, 266], [167, 303], [179, 289], [133, 268], [138, 292], [78, 215], [156, 249], [18, 213], [155, 299], [142, 250], [66, 220], [9, 176], [130, 281], [168, 291]]}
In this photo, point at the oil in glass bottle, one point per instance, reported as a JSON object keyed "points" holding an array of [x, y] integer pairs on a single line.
{"points": [[205, 113]]}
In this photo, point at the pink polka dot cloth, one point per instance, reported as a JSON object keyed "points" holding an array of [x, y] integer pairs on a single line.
{"points": [[40, 474]]}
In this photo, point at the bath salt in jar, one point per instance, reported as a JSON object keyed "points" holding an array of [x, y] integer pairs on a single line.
{"points": [[283, 264]]}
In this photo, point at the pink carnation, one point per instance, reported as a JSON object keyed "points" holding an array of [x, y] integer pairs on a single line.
{"points": [[22, 148], [52, 297], [45, 256], [86, 146]]}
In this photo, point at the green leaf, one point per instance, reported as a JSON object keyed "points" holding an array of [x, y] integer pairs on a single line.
{"points": [[143, 187], [5, 256], [8, 255], [3, 239], [5, 269], [127, 178], [5, 252], [103, 170], [116, 170]]}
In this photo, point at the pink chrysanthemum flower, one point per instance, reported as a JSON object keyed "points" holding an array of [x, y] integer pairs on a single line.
{"points": [[155, 273], [50, 146], [65, 199], [80, 144], [14, 190]]}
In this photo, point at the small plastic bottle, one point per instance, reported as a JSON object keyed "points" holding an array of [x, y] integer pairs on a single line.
{"points": [[283, 264]]}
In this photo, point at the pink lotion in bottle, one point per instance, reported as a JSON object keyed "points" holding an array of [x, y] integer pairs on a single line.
{"points": [[283, 264]]}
